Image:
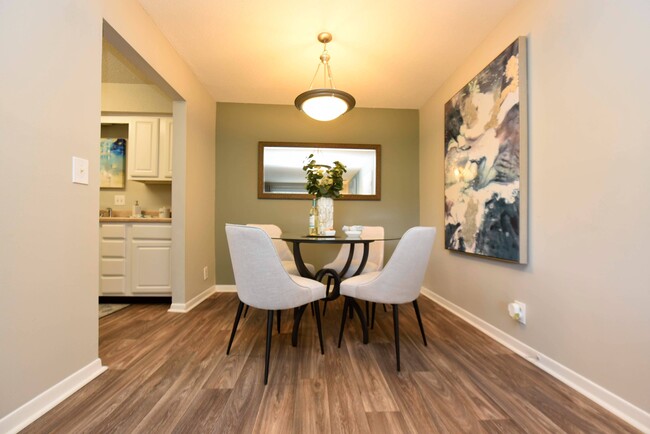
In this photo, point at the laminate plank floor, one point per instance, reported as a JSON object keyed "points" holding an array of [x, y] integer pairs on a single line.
{"points": [[168, 373]]}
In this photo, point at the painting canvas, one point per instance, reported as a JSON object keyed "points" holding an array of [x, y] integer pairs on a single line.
{"points": [[111, 163], [486, 161]]}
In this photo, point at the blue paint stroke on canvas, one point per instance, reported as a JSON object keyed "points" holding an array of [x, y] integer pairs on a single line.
{"points": [[111, 163], [482, 144]]}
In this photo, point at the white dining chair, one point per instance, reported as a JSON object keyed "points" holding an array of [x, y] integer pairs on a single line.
{"points": [[263, 283], [375, 255], [285, 256], [283, 250], [398, 283], [375, 260]]}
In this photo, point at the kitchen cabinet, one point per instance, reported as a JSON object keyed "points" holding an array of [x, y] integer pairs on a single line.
{"points": [[135, 259], [148, 147], [112, 262]]}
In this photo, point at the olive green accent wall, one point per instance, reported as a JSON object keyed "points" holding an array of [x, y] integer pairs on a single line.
{"points": [[241, 126]]}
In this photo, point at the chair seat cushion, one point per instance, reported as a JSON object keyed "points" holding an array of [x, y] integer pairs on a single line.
{"points": [[291, 268], [358, 287], [317, 289]]}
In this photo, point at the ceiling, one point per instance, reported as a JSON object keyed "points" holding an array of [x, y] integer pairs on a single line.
{"points": [[387, 53]]}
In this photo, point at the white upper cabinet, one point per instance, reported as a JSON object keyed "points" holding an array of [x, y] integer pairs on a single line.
{"points": [[143, 148], [148, 147]]}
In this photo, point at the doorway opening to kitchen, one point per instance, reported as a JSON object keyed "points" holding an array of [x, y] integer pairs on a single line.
{"points": [[136, 153]]}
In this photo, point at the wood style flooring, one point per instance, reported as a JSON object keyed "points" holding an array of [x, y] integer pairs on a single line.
{"points": [[168, 373]]}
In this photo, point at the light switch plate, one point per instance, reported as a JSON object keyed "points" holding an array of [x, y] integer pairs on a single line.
{"points": [[119, 199], [79, 170]]}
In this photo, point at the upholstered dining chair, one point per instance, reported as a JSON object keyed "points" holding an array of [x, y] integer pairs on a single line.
{"points": [[398, 283], [283, 250], [284, 253], [375, 257], [263, 283]]}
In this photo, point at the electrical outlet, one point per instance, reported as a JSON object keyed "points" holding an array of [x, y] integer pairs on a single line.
{"points": [[120, 199], [205, 273], [517, 310]]}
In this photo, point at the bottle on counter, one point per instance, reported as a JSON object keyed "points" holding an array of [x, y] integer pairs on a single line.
{"points": [[313, 218], [137, 211]]}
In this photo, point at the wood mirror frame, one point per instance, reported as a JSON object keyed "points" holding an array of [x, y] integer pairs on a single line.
{"points": [[310, 148]]}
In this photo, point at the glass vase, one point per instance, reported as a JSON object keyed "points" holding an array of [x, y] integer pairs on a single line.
{"points": [[325, 206]]}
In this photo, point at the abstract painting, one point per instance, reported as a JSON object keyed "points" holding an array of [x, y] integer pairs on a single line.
{"points": [[111, 163], [486, 161]]}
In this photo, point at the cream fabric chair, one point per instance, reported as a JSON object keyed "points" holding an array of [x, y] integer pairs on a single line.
{"points": [[263, 283], [283, 250], [375, 255], [397, 284]]}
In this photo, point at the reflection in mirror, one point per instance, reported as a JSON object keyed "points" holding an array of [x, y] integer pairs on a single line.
{"points": [[281, 175]]}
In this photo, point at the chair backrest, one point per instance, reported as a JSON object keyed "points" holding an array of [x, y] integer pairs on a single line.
{"points": [[261, 280], [404, 272], [280, 246], [376, 253]]}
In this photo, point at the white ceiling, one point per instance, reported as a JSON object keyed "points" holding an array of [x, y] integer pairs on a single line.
{"points": [[386, 53]]}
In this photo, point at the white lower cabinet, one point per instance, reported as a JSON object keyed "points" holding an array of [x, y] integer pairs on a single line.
{"points": [[135, 259]]}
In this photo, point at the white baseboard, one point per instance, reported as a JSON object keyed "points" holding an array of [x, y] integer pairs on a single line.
{"points": [[37, 407], [198, 299], [226, 288], [601, 396]]}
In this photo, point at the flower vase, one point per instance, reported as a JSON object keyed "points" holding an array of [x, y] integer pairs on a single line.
{"points": [[325, 206]]}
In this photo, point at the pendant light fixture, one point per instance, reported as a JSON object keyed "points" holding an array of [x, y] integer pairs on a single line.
{"points": [[326, 103]]}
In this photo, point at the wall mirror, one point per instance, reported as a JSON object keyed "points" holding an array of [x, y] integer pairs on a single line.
{"points": [[280, 174]]}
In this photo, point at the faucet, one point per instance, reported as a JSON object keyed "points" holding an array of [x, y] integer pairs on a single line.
{"points": [[109, 212]]}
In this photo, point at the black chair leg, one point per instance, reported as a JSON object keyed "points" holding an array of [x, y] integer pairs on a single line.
{"points": [[327, 293], [246, 311], [417, 313], [385, 308], [269, 332], [367, 313], [364, 328], [296, 324], [312, 310], [396, 325], [374, 308], [279, 313], [316, 309], [234, 327], [346, 306]]}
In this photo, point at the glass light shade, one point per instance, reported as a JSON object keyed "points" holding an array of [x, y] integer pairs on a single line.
{"points": [[325, 104]]}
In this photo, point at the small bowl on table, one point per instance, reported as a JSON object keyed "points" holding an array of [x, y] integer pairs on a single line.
{"points": [[353, 234]]}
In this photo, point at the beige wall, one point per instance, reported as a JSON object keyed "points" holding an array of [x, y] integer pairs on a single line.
{"points": [[194, 132], [241, 126], [150, 196], [586, 285], [49, 231], [51, 72], [134, 98]]}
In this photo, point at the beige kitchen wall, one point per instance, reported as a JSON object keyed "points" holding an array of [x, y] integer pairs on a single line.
{"points": [[586, 286], [150, 196], [118, 98], [241, 126]]}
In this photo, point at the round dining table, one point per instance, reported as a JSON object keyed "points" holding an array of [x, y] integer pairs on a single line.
{"points": [[297, 240]]}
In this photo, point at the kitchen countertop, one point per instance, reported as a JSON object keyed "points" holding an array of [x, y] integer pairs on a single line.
{"points": [[134, 220]]}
